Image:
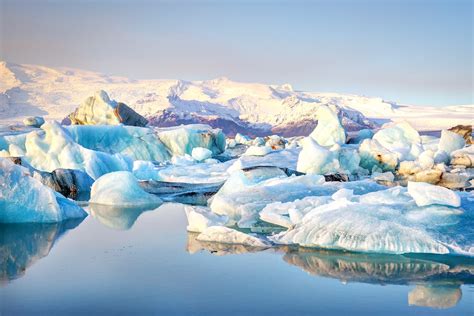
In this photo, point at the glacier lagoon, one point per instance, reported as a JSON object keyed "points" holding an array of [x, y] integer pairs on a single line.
{"points": [[135, 261]]}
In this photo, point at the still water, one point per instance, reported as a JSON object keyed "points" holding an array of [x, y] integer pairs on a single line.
{"points": [[129, 261]]}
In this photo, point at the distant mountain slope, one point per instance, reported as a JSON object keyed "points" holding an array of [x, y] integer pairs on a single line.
{"points": [[236, 107]]}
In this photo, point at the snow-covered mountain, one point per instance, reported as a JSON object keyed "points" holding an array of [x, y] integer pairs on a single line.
{"points": [[252, 108]]}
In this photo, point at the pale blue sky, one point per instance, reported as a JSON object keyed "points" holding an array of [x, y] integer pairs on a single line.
{"points": [[418, 52]]}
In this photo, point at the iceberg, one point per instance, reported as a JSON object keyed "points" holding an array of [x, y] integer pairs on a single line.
{"points": [[100, 110], [450, 142], [400, 138], [427, 194], [138, 143], [121, 188], [375, 157], [24, 199], [463, 157], [386, 221], [53, 147], [200, 218], [181, 140], [329, 130], [247, 192], [316, 159], [227, 235]]}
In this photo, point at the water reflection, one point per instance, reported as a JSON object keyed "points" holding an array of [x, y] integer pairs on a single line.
{"points": [[219, 249], [438, 279], [116, 217], [21, 245]]}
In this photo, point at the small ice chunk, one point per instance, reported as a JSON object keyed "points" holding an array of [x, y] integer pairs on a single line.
{"points": [[121, 188], [257, 151], [200, 218], [427, 194], [227, 235], [201, 153]]}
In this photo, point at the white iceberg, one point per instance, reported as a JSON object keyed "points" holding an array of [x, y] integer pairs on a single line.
{"points": [[375, 157], [100, 110], [329, 130], [25, 199], [225, 235], [200, 218], [316, 159], [400, 138], [283, 159], [450, 142], [121, 188], [427, 194]]}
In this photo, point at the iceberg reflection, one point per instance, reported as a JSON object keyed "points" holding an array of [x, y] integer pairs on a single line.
{"points": [[438, 279], [118, 217], [21, 245]]}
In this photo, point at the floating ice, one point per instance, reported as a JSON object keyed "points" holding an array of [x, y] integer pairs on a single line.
{"points": [[246, 193], [427, 194], [121, 188], [227, 235], [24, 199], [200, 153], [200, 218], [386, 221], [463, 157], [145, 170], [52, 147], [329, 130]]}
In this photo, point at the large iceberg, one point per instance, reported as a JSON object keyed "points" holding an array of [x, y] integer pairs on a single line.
{"points": [[121, 188], [53, 147], [99, 109], [24, 199], [138, 143], [386, 221]]}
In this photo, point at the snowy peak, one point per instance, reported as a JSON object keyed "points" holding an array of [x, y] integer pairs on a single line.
{"points": [[260, 108]]}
